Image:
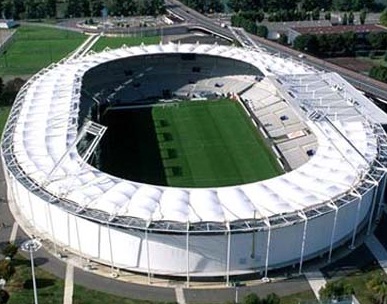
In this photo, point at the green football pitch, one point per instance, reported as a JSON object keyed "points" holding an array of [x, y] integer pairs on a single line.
{"points": [[186, 144]]}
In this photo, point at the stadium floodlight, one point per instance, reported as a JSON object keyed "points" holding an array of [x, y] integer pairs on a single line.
{"points": [[32, 246]]}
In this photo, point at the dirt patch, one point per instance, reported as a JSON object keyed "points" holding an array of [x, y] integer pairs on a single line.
{"points": [[351, 63]]}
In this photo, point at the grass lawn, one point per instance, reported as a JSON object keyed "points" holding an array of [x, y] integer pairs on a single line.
{"points": [[50, 289], [84, 295], [116, 42], [301, 297], [4, 112], [35, 47], [188, 144]]}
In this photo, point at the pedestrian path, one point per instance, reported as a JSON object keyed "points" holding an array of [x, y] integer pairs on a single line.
{"points": [[378, 251], [316, 281], [12, 237], [69, 284], [179, 295]]}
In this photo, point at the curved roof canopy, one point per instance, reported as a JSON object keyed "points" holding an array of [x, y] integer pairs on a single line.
{"points": [[47, 126]]}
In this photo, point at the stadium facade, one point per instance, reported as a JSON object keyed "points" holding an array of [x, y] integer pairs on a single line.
{"points": [[333, 188]]}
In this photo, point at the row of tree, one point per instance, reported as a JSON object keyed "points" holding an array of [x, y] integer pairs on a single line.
{"points": [[249, 25], [344, 44], [271, 6], [376, 287], [206, 6], [38, 9], [379, 73], [298, 15], [253, 298]]}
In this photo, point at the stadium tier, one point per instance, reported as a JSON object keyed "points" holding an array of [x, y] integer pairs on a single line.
{"points": [[327, 136]]}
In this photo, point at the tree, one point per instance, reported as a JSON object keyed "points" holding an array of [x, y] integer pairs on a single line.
{"points": [[378, 288], [345, 19], [310, 5], [18, 8], [316, 14], [96, 8], [377, 40], [243, 5], [349, 42], [35, 9], [85, 6], [351, 18], [10, 90], [262, 31], [272, 298], [283, 39], [335, 290], [4, 296], [8, 9], [306, 43], [383, 18], [6, 269], [363, 16], [51, 8], [327, 16], [251, 298], [10, 250], [379, 72], [74, 8]]}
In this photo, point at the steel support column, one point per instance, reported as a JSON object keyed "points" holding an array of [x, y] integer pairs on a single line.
{"points": [[333, 206], [302, 215]]}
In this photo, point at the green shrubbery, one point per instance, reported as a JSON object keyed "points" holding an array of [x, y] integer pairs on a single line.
{"points": [[336, 290], [253, 298], [6, 269], [379, 73], [9, 90], [10, 250]]}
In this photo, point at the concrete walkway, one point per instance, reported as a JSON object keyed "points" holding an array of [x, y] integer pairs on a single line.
{"points": [[316, 281], [378, 251], [12, 237], [69, 285], [180, 295]]}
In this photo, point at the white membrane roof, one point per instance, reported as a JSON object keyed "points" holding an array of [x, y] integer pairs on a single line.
{"points": [[47, 126]]}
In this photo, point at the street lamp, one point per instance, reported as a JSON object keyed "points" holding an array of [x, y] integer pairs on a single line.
{"points": [[32, 246]]}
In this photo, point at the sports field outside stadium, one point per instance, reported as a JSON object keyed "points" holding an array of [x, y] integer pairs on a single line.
{"points": [[186, 144]]}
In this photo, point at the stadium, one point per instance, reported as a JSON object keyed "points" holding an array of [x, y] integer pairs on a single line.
{"points": [[325, 136]]}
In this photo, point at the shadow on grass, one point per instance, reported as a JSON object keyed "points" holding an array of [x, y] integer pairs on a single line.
{"points": [[40, 283], [130, 149], [21, 262], [39, 261]]}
